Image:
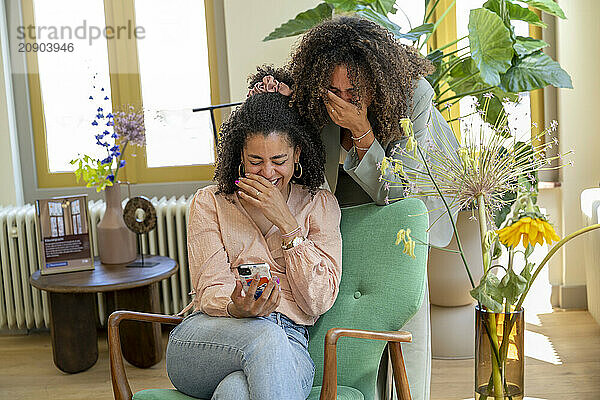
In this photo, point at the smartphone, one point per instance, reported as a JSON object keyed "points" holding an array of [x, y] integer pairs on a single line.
{"points": [[247, 272]]}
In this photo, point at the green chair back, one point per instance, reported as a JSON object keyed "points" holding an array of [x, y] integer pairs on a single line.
{"points": [[381, 288]]}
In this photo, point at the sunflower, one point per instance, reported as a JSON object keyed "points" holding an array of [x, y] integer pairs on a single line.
{"points": [[532, 230]]}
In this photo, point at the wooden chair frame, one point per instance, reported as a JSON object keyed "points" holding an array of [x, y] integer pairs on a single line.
{"points": [[122, 390]]}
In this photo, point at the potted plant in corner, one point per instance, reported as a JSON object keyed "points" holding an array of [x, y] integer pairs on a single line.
{"points": [[114, 132]]}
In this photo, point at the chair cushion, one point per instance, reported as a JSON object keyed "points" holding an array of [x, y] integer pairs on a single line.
{"points": [[161, 394], [343, 393]]}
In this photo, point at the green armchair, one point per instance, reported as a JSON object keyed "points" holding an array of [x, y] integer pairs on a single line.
{"points": [[380, 290]]}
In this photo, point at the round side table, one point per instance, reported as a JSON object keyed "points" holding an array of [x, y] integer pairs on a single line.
{"points": [[73, 311]]}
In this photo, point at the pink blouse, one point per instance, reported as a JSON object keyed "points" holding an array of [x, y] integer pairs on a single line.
{"points": [[221, 236]]}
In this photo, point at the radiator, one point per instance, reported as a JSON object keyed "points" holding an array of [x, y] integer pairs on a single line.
{"points": [[24, 307]]}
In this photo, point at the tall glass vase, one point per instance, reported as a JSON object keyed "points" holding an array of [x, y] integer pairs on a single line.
{"points": [[499, 355], [116, 243]]}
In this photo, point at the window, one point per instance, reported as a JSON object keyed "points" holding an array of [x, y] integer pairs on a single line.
{"points": [[57, 221], [519, 114], [148, 53], [76, 217]]}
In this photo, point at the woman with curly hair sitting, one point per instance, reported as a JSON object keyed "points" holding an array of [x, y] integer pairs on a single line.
{"points": [[266, 208], [355, 82]]}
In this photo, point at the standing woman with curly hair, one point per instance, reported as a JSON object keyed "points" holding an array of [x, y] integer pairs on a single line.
{"points": [[355, 82], [266, 208]]}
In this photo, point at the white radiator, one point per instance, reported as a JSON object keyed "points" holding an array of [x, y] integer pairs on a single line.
{"points": [[24, 307]]}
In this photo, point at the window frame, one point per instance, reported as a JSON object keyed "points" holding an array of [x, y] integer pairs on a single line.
{"points": [[125, 89], [446, 32]]}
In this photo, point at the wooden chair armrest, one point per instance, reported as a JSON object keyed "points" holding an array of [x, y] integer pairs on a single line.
{"points": [[121, 388], [394, 338]]}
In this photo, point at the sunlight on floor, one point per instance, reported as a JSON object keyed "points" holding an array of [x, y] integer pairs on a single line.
{"points": [[538, 346]]}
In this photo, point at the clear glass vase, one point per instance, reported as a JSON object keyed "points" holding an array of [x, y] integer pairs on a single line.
{"points": [[499, 355]]}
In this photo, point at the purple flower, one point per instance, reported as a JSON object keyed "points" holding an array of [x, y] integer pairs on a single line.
{"points": [[129, 125], [107, 160], [99, 109], [122, 164], [95, 123], [114, 136], [91, 98], [110, 177]]}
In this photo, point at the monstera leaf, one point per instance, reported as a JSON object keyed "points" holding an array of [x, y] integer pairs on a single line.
{"points": [[535, 71], [301, 23], [491, 45]]}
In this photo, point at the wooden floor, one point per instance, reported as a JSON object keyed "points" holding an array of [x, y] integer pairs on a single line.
{"points": [[563, 363]]}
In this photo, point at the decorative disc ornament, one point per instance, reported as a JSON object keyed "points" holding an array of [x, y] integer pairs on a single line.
{"points": [[139, 215]]}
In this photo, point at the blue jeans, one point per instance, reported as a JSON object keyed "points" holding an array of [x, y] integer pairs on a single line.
{"points": [[241, 359]]}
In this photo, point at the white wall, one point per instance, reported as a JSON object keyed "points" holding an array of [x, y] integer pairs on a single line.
{"points": [[578, 51], [10, 187], [246, 24]]}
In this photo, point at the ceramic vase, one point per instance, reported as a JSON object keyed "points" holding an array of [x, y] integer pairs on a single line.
{"points": [[116, 243], [499, 355]]}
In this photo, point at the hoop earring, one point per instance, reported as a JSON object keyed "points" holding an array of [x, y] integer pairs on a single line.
{"points": [[240, 169], [294, 175]]}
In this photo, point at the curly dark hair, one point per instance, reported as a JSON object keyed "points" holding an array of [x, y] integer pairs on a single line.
{"points": [[378, 66], [265, 113]]}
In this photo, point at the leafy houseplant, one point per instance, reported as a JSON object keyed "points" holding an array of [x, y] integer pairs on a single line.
{"points": [[496, 59], [479, 174]]}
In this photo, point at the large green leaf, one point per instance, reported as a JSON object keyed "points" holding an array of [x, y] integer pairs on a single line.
{"points": [[417, 32], [548, 6], [489, 293], [515, 12], [381, 19], [491, 46], [526, 45], [344, 5], [301, 23], [512, 286], [535, 71], [384, 6]]}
